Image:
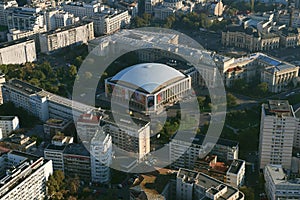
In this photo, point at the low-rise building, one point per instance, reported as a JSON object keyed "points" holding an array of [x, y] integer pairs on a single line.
{"points": [[54, 126], [17, 52], [78, 33], [196, 185], [23, 176], [236, 173], [19, 142], [277, 184], [8, 124]]}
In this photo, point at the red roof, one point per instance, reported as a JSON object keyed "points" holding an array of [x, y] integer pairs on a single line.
{"points": [[89, 118]]}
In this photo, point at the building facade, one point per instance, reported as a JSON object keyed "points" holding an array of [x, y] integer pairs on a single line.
{"points": [[81, 9], [74, 34], [8, 124], [277, 132]]}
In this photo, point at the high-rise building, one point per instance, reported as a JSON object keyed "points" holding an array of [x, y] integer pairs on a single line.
{"points": [[277, 130], [23, 176], [101, 157], [278, 185], [87, 125]]}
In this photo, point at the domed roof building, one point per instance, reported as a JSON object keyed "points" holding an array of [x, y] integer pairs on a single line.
{"points": [[148, 87]]}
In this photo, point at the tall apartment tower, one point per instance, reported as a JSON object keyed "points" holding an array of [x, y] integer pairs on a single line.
{"points": [[277, 130], [101, 157]]}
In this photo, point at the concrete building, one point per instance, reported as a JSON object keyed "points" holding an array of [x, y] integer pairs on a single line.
{"points": [[25, 18], [23, 176], [19, 142], [8, 124], [289, 18], [150, 4], [236, 173], [77, 162], [193, 185], [277, 132], [155, 91], [87, 125], [2, 81], [101, 157], [3, 10], [74, 34], [59, 18], [81, 9], [40, 103], [277, 184], [55, 154], [54, 126], [184, 152], [134, 140], [110, 21], [17, 52]]}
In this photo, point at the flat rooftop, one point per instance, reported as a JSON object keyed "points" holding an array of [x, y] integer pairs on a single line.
{"points": [[235, 166], [65, 28], [278, 107], [13, 42], [23, 86], [55, 147], [76, 149]]}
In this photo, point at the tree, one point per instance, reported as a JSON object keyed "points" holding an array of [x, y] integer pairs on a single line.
{"points": [[262, 88], [248, 192], [72, 71], [231, 100]]}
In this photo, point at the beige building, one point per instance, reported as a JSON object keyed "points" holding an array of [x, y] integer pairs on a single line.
{"points": [[81, 9], [289, 37], [150, 4], [17, 52], [74, 34], [277, 132], [110, 22]]}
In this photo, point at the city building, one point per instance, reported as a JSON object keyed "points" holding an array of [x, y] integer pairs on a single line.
{"points": [[25, 18], [184, 152], [8, 124], [154, 46], [236, 173], [59, 18], [17, 52], [2, 81], [77, 33], [77, 162], [289, 37], [128, 138], [278, 185], [42, 104], [196, 185], [110, 21], [81, 9], [150, 4], [54, 126], [149, 94], [19, 142], [87, 125], [277, 130], [101, 157], [3, 10], [23, 176], [290, 18], [55, 154], [297, 134]]}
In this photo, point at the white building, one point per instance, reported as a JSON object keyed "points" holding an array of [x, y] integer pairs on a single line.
{"points": [[40, 103], [193, 185], [8, 124], [277, 130], [23, 176], [81, 9], [3, 10], [236, 173], [278, 186], [74, 34], [58, 18], [185, 151], [87, 125], [55, 154], [101, 157], [17, 52], [110, 21]]}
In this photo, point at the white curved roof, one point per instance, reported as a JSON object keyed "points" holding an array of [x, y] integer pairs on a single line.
{"points": [[148, 76]]}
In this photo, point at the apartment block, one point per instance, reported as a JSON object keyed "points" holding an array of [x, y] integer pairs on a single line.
{"points": [[236, 173], [87, 125], [184, 152], [18, 52], [101, 157], [278, 185], [8, 124], [81, 9], [41, 103], [109, 21], [23, 176], [4, 5], [196, 185], [78, 33], [277, 131], [58, 18]]}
